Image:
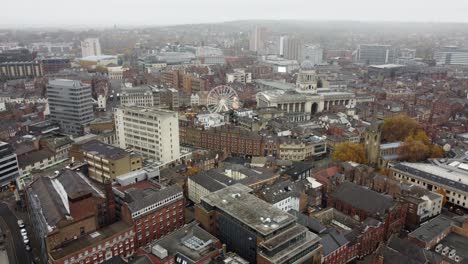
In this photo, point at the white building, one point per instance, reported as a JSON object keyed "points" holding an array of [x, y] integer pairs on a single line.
{"points": [[451, 56], [152, 132], [90, 47], [280, 65], [101, 60], [210, 120], [312, 53], [115, 73], [194, 99], [450, 178], [140, 95], [240, 76], [102, 102], [304, 97]]}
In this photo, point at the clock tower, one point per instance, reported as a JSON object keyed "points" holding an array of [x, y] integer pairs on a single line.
{"points": [[373, 137]]}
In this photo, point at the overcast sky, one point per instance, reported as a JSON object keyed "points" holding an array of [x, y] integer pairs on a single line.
{"points": [[157, 12]]}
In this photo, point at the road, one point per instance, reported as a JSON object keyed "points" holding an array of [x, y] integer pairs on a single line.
{"points": [[8, 218]]}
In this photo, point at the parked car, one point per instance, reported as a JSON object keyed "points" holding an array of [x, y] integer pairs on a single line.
{"points": [[21, 223], [28, 248], [23, 232], [25, 239]]}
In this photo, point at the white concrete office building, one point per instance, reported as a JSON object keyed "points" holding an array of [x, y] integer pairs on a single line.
{"points": [[152, 132]]}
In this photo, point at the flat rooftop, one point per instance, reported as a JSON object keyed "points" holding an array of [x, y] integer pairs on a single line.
{"points": [[236, 201], [432, 229], [445, 175], [90, 240], [98, 148], [190, 241]]}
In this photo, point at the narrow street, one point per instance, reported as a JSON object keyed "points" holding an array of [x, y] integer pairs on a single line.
{"points": [[14, 239]]}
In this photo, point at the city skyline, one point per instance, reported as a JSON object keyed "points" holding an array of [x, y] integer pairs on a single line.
{"points": [[144, 12]]}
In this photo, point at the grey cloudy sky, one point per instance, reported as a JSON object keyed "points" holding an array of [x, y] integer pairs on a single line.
{"points": [[157, 12]]}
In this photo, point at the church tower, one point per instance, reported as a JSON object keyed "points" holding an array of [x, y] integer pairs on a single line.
{"points": [[373, 135]]}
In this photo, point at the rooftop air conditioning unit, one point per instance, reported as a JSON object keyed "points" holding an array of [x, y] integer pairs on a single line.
{"points": [[159, 251]]}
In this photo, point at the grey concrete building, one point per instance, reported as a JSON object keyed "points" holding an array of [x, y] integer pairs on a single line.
{"points": [[8, 164], [375, 54], [70, 104]]}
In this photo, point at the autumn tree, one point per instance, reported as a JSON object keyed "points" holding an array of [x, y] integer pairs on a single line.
{"points": [[399, 127], [348, 151], [418, 147], [436, 152], [413, 150]]}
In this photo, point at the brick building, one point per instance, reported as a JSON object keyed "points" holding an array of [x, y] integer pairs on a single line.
{"points": [[227, 139], [76, 220], [344, 238], [153, 212], [361, 203], [106, 162]]}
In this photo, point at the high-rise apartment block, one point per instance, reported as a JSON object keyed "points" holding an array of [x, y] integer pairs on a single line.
{"points": [[90, 47], [71, 105], [257, 39], [152, 132], [292, 48]]}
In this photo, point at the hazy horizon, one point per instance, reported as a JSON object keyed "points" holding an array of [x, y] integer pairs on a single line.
{"points": [[53, 13]]}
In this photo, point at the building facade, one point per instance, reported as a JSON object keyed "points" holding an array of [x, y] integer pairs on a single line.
{"points": [[256, 230], [9, 170], [152, 211], [154, 133], [106, 162], [450, 180], [451, 56], [20, 70], [90, 47], [70, 104], [375, 54]]}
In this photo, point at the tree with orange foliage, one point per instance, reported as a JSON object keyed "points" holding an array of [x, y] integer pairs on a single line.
{"points": [[444, 194], [417, 147], [413, 150], [397, 128], [436, 152], [348, 151], [192, 171]]}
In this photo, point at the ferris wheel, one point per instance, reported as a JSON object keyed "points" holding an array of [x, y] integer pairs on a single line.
{"points": [[221, 99]]}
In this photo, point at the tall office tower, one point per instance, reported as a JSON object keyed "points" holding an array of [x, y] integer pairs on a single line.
{"points": [[312, 53], [292, 48], [375, 54], [8, 164], [451, 56], [70, 104], [152, 132], [257, 39], [90, 47]]}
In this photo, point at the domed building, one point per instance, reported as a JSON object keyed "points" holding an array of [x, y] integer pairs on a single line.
{"points": [[304, 98]]}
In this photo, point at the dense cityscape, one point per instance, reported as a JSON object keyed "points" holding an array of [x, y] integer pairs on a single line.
{"points": [[253, 141]]}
